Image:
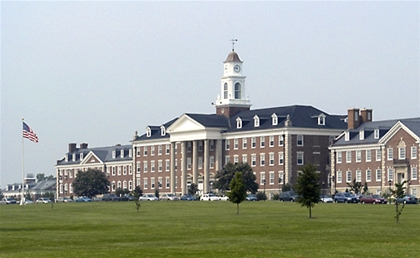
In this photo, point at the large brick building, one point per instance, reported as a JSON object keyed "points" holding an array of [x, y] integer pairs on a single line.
{"points": [[191, 148], [379, 153]]}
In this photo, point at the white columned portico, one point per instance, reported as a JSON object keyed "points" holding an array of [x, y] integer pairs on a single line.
{"points": [[184, 167], [206, 166], [195, 162], [173, 172]]}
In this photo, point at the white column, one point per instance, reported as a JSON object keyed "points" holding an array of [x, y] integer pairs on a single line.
{"points": [[206, 166], [218, 158], [173, 173], [184, 167], [195, 162]]}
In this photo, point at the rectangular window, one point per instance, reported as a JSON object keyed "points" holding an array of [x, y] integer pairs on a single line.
{"points": [[176, 164], [167, 149], [152, 150], [401, 153], [300, 140], [125, 170], [378, 175], [244, 158], [114, 171], [211, 145], [211, 162], [200, 162], [130, 169], [271, 158], [281, 177], [244, 143], [281, 158], [200, 146], [145, 183], [253, 160], [378, 155], [262, 142], [160, 166], [160, 182], [368, 175], [188, 147], [253, 142], [235, 159], [390, 174], [188, 163], [271, 177], [348, 177], [235, 144], [167, 165], [227, 159], [358, 156], [390, 153], [414, 152], [262, 159], [358, 176], [152, 183], [167, 182], [414, 173], [159, 149], [300, 158], [348, 156], [368, 155], [262, 178], [227, 144], [339, 157], [138, 151], [145, 166], [152, 166], [281, 140], [272, 141], [339, 177], [145, 151]]}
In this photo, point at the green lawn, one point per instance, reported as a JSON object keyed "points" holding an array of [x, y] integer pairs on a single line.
{"points": [[207, 229]]}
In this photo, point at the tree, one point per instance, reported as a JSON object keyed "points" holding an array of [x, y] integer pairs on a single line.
{"points": [[365, 189], [41, 177], [261, 196], [1, 194], [307, 187], [398, 192], [355, 187], [237, 192], [138, 191], [286, 187], [225, 176], [192, 189], [90, 183], [120, 192]]}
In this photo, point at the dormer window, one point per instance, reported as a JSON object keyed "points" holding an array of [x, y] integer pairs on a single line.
{"points": [[66, 158], [321, 119], [361, 135], [148, 132], [130, 153], [274, 119], [122, 153], [256, 121], [347, 136], [238, 123], [81, 156], [74, 157], [114, 153], [376, 134], [162, 131]]}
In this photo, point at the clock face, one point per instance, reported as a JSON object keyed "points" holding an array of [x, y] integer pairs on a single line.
{"points": [[237, 68]]}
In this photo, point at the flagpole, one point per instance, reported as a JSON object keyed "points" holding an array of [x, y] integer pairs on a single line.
{"points": [[23, 167]]}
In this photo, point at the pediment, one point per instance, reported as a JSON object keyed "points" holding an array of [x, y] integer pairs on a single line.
{"points": [[91, 158], [185, 124]]}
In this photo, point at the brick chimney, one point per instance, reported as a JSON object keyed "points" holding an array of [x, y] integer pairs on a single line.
{"points": [[366, 115], [84, 145], [353, 118], [72, 147]]}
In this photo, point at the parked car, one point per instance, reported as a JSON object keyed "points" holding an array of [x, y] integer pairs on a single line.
{"points": [[64, 199], [148, 197], [67, 199], [188, 197], [288, 196], [373, 198], [251, 197], [345, 198], [326, 199], [168, 197], [43, 200], [209, 197], [83, 199], [408, 199], [110, 198], [28, 201], [9, 200], [224, 198], [129, 197]]}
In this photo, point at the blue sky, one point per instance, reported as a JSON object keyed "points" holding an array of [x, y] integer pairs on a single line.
{"points": [[98, 71]]}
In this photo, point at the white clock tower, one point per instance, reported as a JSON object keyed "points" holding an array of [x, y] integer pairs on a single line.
{"points": [[232, 98]]}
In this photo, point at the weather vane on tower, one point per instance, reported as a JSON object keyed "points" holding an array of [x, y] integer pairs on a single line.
{"points": [[233, 43]]}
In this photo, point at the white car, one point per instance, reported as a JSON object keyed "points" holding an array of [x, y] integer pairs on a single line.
{"points": [[209, 197], [326, 199], [43, 200], [148, 197], [224, 198], [169, 197]]}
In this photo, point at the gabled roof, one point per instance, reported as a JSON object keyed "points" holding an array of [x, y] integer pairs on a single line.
{"points": [[104, 154], [155, 132], [368, 128], [210, 120]]}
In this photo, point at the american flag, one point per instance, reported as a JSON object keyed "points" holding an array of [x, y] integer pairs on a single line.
{"points": [[28, 133]]}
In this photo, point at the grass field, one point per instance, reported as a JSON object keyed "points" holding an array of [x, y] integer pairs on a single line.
{"points": [[207, 229]]}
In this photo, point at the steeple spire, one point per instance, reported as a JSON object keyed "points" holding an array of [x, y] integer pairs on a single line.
{"points": [[233, 43]]}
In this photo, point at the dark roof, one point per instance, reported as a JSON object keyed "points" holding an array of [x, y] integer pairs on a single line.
{"points": [[210, 120], [300, 116], [233, 57], [156, 131], [103, 153], [369, 127]]}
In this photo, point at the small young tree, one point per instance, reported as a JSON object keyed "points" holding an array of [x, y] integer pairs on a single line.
{"points": [[398, 192], [138, 191], [192, 189], [365, 189], [307, 187], [237, 192], [355, 187], [157, 193]]}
